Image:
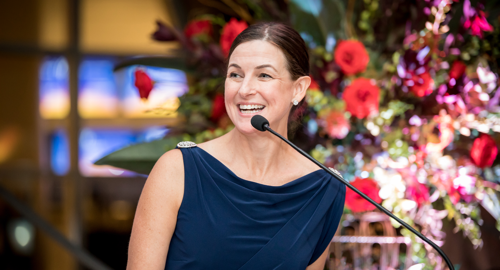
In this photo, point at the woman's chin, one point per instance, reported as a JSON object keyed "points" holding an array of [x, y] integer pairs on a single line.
{"points": [[246, 129]]}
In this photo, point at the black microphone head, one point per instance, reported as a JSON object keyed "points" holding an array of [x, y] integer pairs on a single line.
{"points": [[258, 122]]}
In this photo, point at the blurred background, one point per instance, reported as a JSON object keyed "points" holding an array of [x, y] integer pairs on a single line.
{"points": [[71, 96], [62, 107]]}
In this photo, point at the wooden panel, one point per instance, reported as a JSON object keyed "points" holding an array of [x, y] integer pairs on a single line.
{"points": [[122, 26]]}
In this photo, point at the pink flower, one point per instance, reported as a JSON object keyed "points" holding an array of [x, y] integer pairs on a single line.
{"points": [[337, 125], [465, 185], [418, 192]]}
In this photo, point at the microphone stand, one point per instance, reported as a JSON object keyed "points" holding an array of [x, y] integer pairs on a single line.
{"points": [[380, 207]]}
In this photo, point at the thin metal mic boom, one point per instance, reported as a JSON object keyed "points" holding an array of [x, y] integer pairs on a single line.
{"points": [[261, 123]]}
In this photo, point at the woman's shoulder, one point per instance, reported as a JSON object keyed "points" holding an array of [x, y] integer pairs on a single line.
{"points": [[171, 162], [167, 177]]}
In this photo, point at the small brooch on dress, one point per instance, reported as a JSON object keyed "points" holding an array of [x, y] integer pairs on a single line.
{"points": [[186, 144], [336, 172]]}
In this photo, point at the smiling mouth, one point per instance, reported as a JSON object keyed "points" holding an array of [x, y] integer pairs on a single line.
{"points": [[249, 109]]}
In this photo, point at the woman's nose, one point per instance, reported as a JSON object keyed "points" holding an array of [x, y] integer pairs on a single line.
{"points": [[248, 88]]}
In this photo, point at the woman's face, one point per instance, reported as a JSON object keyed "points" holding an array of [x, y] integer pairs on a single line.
{"points": [[258, 82]]}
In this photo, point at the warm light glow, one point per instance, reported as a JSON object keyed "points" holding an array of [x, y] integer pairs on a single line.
{"points": [[136, 108], [97, 94], [55, 105], [9, 139], [54, 88], [96, 105]]}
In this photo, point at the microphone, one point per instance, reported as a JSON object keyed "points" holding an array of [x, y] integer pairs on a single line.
{"points": [[260, 123]]}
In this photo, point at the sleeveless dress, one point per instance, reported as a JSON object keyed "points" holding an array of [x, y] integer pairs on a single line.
{"points": [[226, 222]]}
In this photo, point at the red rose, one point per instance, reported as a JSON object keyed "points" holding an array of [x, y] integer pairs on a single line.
{"points": [[229, 33], [361, 98], [198, 27], [357, 203], [457, 69], [484, 151], [420, 85], [418, 192], [143, 83], [218, 108], [351, 56]]}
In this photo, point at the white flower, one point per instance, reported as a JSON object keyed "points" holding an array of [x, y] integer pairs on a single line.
{"points": [[391, 184], [487, 77]]}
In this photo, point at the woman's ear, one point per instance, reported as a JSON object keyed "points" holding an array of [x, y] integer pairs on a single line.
{"points": [[300, 87]]}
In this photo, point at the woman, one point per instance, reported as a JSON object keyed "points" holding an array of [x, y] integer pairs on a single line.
{"points": [[245, 200]]}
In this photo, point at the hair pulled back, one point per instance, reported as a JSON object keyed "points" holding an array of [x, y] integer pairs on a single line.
{"points": [[289, 42]]}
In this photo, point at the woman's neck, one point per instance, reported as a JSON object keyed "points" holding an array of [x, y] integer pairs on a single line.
{"points": [[262, 154]]}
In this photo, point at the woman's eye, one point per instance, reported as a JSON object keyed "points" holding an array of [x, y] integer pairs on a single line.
{"points": [[233, 75], [264, 75]]}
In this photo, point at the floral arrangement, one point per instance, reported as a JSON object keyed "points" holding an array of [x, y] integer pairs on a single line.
{"points": [[404, 102]]}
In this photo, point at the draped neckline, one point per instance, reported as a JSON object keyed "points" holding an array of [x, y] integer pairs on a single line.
{"points": [[222, 166]]}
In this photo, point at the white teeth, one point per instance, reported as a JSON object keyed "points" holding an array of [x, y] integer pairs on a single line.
{"points": [[250, 107], [250, 111]]}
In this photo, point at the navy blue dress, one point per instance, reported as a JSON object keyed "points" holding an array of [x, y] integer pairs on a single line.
{"points": [[226, 222]]}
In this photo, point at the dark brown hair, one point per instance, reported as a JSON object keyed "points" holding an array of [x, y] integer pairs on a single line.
{"points": [[291, 44]]}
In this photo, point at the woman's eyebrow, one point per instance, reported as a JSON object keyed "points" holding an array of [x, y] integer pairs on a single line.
{"points": [[234, 65], [264, 66], [257, 67]]}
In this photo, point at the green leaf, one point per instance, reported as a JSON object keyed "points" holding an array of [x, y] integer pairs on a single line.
{"points": [[318, 19], [157, 61], [140, 157]]}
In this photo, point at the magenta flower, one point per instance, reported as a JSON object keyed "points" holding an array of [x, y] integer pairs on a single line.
{"points": [[475, 20], [478, 25]]}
